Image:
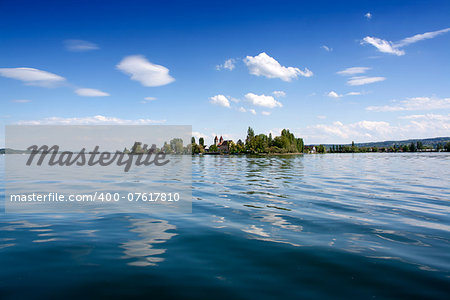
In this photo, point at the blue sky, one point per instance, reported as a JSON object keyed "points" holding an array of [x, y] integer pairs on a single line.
{"points": [[330, 71]]}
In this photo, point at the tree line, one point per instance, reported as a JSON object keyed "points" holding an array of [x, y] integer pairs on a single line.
{"points": [[266, 144], [412, 147], [256, 143]]}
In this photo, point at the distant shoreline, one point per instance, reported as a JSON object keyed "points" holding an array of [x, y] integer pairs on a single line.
{"points": [[250, 154], [427, 145]]}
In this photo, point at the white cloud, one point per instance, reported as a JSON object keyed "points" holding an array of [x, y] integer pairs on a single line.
{"points": [[337, 132], [220, 100], [148, 99], [326, 48], [21, 101], [262, 100], [264, 65], [416, 103], [368, 16], [95, 120], [359, 129], [198, 135], [353, 71], [383, 45], [414, 126], [427, 116], [250, 110], [229, 64], [90, 93], [148, 74], [361, 80], [353, 94], [279, 94], [80, 45], [394, 48], [429, 125], [358, 80], [31, 76], [420, 37], [266, 113], [333, 94]]}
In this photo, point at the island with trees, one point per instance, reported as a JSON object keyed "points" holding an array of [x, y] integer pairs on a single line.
{"points": [[286, 143]]}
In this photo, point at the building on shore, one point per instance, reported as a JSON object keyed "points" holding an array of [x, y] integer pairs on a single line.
{"points": [[222, 145], [310, 149]]}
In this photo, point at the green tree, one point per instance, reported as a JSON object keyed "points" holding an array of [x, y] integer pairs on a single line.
{"points": [[300, 145], [250, 140], [166, 148], [447, 147], [136, 149], [281, 142], [321, 149], [201, 141], [232, 147], [176, 146], [196, 149], [250, 135], [240, 146], [419, 145], [213, 148], [261, 143], [193, 140]]}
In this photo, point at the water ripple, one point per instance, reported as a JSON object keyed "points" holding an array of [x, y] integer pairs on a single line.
{"points": [[312, 226]]}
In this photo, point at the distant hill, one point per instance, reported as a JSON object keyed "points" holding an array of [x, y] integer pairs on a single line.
{"points": [[426, 142], [433, 142]]}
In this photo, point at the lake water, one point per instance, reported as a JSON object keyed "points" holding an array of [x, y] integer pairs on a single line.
{"points": [[313, 226]]}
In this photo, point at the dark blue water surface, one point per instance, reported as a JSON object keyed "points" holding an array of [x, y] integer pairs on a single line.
{"points": [[313, 226]]}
